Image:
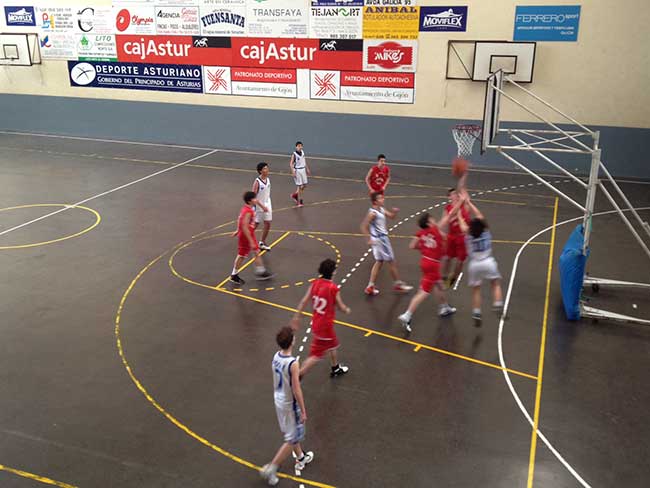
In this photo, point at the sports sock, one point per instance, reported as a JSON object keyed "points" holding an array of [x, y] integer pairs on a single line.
{"points": [[476, 311], [499, 303], [259, 269], [408, 315], [371, 283], [234, 271]]}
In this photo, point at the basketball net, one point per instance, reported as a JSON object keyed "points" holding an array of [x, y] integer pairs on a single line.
{"points": [[465, 135]]}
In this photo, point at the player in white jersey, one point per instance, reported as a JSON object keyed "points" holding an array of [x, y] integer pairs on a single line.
{"points": [[263, 209], [374, 228], [299, 170], [482, 265], [289, 407]]}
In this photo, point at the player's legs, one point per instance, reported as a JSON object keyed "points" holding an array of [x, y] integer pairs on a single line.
{"points": [[374, 271], [266, 230], [308, 364], [337, 369], [497, 294], [234, 276], [282, 454]]}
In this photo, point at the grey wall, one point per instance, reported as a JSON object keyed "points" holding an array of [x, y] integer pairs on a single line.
{"points": [[352, 136]]}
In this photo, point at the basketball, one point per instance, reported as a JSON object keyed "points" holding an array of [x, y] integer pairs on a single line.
{"points": [[459, 167]]}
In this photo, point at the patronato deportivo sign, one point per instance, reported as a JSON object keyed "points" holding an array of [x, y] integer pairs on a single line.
{"points": [[362, 86], [243, 51]]}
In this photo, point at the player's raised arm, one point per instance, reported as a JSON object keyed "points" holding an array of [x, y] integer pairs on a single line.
{"points": [[415, 243], [392, 213], [297, 389], [477, 213], [342, 306], [446, 217]]}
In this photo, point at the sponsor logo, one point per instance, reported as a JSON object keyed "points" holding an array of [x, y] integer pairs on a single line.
{"points": [[328, 45], [202, 42], [83, 74], [45, 41], [85, 20], [325, 85], [336, 3], [546, 18], [447, 19], [391, 10], [157, 47], [223, 17], [390, 55], [124, 20], [261, 52], [20, 16], [278, 12], [217, 80], [335, 12]]}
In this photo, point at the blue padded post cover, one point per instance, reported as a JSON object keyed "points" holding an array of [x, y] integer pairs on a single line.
{"points": [[572, 273]]}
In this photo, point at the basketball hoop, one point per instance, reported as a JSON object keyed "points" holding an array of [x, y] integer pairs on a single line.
{"points": [[465, 135]]}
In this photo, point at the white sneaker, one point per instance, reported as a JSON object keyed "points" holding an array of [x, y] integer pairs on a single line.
{"points": [[268, 473], [308, 457], [406, 321], [446, 311], [402, 287], [264, 247]]}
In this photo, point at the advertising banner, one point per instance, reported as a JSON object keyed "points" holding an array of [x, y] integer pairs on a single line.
{"points": [[95, 20], [96, 47], [256, 82], [336, 22], [175, 50], [223, 17], [177, 21], [58, 45], [383, 19], [381, 55], [437, 19], [134, 19], [361, 86], [57, 19], [20, 16], [278, 18], [135, 76], [547, 23]]}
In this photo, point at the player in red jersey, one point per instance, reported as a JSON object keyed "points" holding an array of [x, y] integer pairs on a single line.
{"points": [[430, 241], [456, 248], [246, 241], [325, 297], [378, 176]]}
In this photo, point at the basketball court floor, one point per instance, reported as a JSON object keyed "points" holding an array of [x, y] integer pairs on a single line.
{"points": [[128, 361]]}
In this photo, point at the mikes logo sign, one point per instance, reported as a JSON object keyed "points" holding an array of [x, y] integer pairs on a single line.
{"points": [[390, 55]]}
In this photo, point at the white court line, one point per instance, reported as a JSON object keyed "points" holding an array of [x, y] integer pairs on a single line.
{"points": [[121, 187], [237, 151], [506, 305]]}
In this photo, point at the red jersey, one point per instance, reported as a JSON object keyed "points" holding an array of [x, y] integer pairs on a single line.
{"points": [[454, 226], [240, 222], [431, 243], [323, 295], [379, 177]]}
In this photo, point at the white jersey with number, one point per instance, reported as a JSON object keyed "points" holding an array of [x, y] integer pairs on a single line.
{"points": [[282, 391], [299, 161], [378, 223], [264, 191]]}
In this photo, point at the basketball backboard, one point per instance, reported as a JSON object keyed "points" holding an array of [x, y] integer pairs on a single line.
{"points": [[19, 49], [476, 60]]}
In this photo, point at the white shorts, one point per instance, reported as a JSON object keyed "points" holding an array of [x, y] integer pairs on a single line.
{"points": [[301, 177], [261, 216], [291, 427], [485, 269], [382, 249]]}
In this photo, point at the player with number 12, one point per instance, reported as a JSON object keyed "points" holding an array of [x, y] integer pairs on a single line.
{"points": [[325, 297]]}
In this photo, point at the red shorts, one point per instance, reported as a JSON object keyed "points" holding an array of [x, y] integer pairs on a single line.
{"points": [[244, 247], [430, 274], [320, 346], [456, 247]]}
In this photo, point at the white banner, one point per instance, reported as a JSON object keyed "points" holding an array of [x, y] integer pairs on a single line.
{"points": [[58, 45], [223, 17], [96, 47], [377, 94], [134, 19], [336, 22], [95, 20], [216, 80], [278, 18], [176, 21], [56, 19]]}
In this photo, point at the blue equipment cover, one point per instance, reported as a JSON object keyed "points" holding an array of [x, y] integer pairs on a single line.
{"points": [[572, 273]]}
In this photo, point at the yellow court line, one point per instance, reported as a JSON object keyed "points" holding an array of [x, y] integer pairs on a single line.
{"points": [[381, 334], [98, 219], [542, 346], [252, 260], [35, 477], [160, 408]]}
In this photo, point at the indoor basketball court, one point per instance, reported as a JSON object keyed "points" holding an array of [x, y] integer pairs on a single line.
{"points": [[132, 358]]}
